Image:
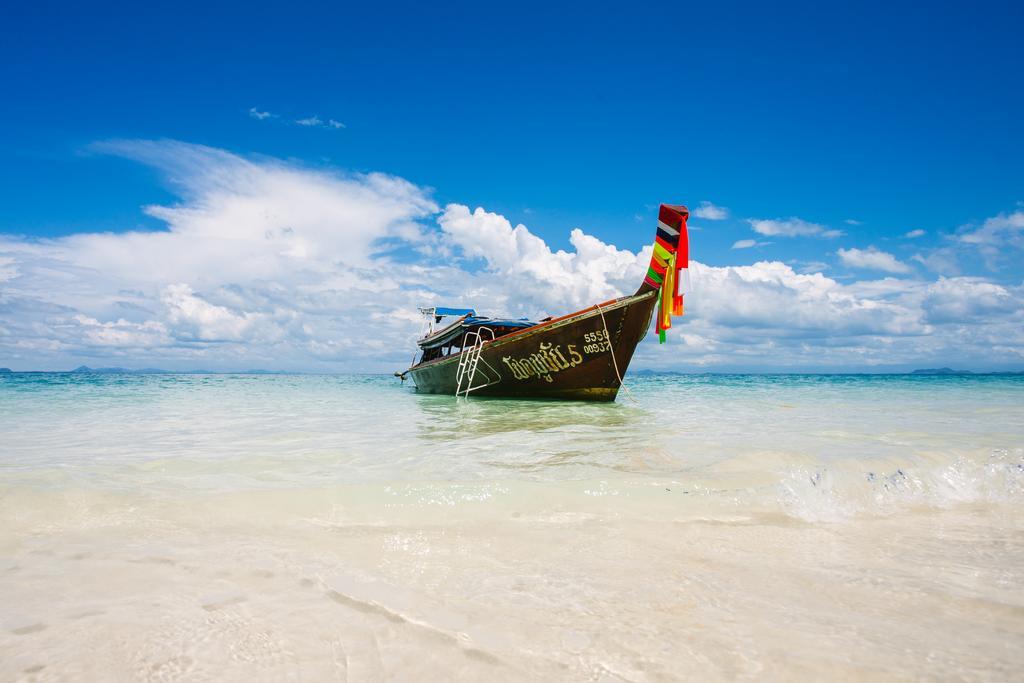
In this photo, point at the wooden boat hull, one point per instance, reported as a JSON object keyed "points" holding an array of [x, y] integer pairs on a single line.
{"points": [[572, 357]]}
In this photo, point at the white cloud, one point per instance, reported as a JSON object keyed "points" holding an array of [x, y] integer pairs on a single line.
{"points": [[942, 261], [771, 296], [997, 239], [873, 259], [1006, 228], [269, 264], [8, 268], [119, 333], [309, 121], [194, 318], [260, 252], [790, 227], [963, 300], [711, 212], [316, 122], [528, 268], [747, 244], [852, 221], [915, 234], [813, 267]]}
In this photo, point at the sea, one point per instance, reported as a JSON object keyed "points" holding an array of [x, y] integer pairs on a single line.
{"points": [[223, 527]]}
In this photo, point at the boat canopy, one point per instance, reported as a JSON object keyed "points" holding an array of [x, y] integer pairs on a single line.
{"points": [[438, 312], [442, 311], [470, 320]]}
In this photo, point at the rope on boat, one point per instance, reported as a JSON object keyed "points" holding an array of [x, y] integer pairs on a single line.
{"points": [[611, 350]]}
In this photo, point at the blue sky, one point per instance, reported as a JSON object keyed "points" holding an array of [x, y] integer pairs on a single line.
{"points": [[801, 120]]}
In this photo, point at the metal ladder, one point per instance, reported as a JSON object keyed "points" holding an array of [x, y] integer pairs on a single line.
{"points": [[470, 360]]}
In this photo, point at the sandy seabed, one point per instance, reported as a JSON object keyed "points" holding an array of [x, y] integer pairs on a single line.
{"points": [[308, 529]]}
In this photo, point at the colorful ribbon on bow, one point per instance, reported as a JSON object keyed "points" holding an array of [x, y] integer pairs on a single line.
{"points": [[669, 270]]}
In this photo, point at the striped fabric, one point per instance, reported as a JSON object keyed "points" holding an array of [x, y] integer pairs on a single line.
{"points": [[669, 269]]}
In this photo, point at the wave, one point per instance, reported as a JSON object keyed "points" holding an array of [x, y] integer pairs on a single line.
{"points": [[848, 489]]}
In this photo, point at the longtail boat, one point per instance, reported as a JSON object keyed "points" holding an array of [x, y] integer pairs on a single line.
{"points": [[582, 355]]}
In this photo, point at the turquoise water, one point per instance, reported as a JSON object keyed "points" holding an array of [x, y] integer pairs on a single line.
{"points": [[259, 525], [268, 429]]}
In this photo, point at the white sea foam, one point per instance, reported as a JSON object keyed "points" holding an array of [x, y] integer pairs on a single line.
{"points": [[847, 489]]}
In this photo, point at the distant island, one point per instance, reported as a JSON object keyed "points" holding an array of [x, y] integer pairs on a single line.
{"points": [[950, 371], [85, 369]]}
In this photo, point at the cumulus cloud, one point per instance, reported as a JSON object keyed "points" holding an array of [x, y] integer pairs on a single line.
{"points": [[998, 239], [1006, 228], [790, 227], [962, 300], [771, 295], [942, 260], [8, 269], [195, 318], [259, 115], [873, 259], [264, 263], [258, 251], [528, 268], [913, 234], [711, 212], [118, 333]]}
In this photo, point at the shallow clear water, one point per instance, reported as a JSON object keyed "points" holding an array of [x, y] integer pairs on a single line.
{"points": [[312, 527]]}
